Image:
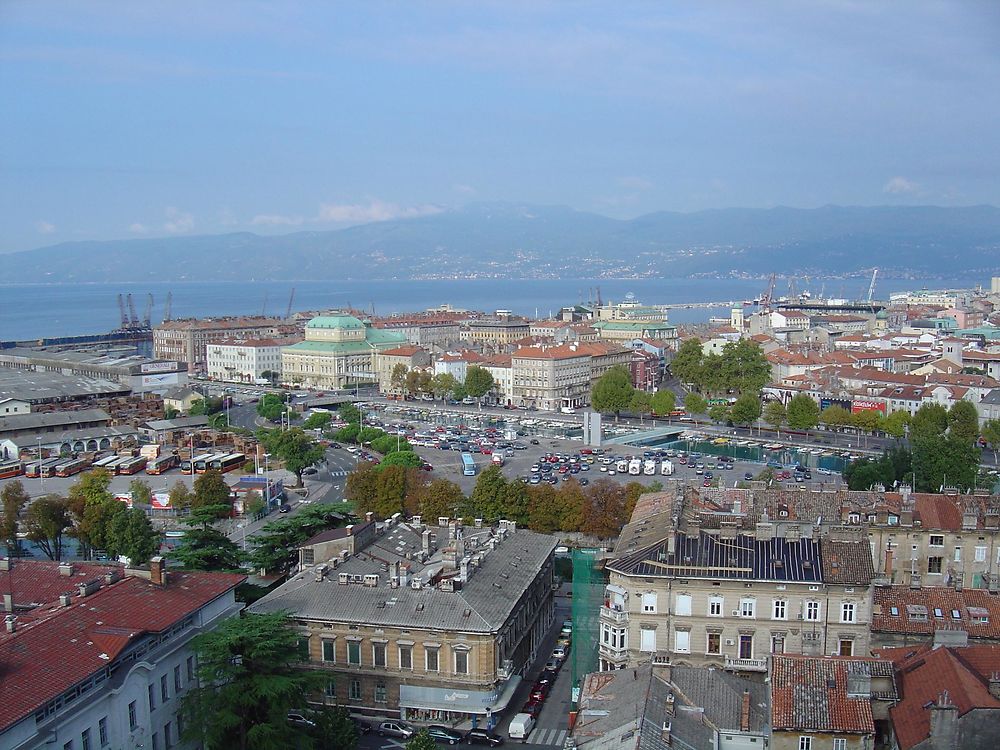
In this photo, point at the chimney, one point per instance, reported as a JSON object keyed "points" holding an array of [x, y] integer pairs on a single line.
{"points": [[65, 600], [745, 712], [157, 571], [669, 705], [404, 575], [4, 563], [970, 520], [914, 580], [10, 620], [416, 522], [369, 517], [944, 723], [8, 603], [86, 589], [888, 563], [425, 539], [463, 570], [66, 569], [995, 685]]}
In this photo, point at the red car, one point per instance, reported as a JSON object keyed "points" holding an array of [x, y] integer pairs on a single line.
{"points": [[532, 707]]}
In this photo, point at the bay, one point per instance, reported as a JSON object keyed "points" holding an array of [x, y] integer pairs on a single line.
{"points": [[29, 311]]}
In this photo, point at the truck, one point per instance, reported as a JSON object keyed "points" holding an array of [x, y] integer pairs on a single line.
{"points": [[520, 726], [649, 467], [622, 466], [635, 467], [666, 468], [496, 459]]}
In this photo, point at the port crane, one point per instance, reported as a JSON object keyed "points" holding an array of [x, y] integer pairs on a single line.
{"points": [[291, 299], [871, 287], [166, 309], [148, 311]]}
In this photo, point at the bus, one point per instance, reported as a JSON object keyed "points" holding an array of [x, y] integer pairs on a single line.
{"points": [[228, 462], [132, 465], [203, 462], [468, 465], [74, 466], [103, 462], [10, 469], [33, 469], [48, 468], [162, 464]]}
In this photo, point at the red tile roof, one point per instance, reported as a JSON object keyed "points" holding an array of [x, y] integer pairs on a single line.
{"points": [[402, 351], [65, 645], [924, 674], [900, 609], [810, 694], [32, 584]]}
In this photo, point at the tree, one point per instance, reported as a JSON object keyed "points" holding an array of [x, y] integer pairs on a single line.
{"points": [[318, 420], [14, 498], [663, 402], [604, 514], [803, 412], [46, 521], [132, 535], [362, 487], [93, 509], [746, 410], [253, 503], [443, 383], [835, 416], [206, 548], [349, 413], [211, 489], [180, 496], [867, 420], [641, 403], [271, 406], [774, 414], [141, 492], [941, 460], [397, 379], [276, 545], [390, 490], [421, 741], [406, 459], [963, 422], [719, 412], [296, 449], [206, 406], [269, 376], [436, 499], [487, 498], [896, 423], [613, 391], [694, 403], [478, 381], [249, 678], [170, 413], [744, 366], [929, 419], [334, 729], [417, 381], [991, 434], [687, 362]]}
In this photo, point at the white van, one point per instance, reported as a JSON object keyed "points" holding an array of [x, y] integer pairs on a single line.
{"points": [[568, 410], [520, 726]]}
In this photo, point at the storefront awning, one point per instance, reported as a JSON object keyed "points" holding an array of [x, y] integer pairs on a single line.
{"points": [[465, 701]]}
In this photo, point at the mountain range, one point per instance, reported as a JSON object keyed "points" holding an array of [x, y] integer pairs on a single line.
{"points": [[526, 241]]}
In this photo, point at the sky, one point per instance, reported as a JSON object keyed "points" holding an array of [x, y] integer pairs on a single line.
{"points": [[145, 119]]}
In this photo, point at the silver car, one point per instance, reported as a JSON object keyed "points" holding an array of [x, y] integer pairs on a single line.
{"points": [[395, 728]]}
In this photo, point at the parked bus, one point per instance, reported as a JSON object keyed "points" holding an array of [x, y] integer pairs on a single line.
{"points": [[132, 465], [33, 469], [635, 467], [10, 469], [228, 462], [74, 466], [104, 462], [468, 465], [48, 468], [161, 464], [201, 462]]}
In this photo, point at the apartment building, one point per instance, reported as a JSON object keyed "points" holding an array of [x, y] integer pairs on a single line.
{"points": [[500, 368], [684, 592], [188, 340], [551, 378], [628, 330], [604, 356], [428, 623], [409, 356], [338, 352], [428, 330], [100, 656], [497, 333], [246, 360]]}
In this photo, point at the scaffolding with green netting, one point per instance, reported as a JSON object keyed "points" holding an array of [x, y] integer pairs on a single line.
{"points": [[588, 595]]}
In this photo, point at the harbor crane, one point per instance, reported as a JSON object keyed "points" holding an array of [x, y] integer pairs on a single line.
{"points": [[291, 299], [133, 319], [121, 310], [149, 310], [166, 309], [871, 287]]}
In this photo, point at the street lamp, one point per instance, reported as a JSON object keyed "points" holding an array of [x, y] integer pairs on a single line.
{"points": [[41, 474], [267, 484]]}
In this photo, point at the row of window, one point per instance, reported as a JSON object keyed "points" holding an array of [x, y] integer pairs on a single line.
{"points": [[86, 742], [806, 743], [811, 610], [404, 655], [380, 695]]}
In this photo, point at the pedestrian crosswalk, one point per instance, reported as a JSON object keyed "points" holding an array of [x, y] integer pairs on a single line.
{"points": [[339, 473], [547, 737]]}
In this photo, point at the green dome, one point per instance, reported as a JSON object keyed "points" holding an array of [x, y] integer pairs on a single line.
{"points": [[335, 321]]}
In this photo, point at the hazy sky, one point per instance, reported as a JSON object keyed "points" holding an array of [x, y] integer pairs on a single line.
{"points": [[130, 119]]}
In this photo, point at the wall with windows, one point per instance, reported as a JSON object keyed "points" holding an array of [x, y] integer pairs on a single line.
{"points": [[820, 741]]}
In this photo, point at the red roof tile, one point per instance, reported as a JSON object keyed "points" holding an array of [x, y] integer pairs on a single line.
{"points": [[900, 609]]}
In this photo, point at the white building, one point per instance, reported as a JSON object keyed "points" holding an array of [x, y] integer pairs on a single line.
{"points": [[551, 378], [107, 664], [245, 360]]}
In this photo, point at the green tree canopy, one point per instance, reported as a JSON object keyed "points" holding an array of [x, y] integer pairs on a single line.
{"points": [[695, 403], [746, 410], [275, 547], [294, 447], [835, 416], [14, 498], [487, 498], [803, 412], [664, 402], [641, 403], [719, 412], [349, 413], [421, 741], [249, 678], [687, 362], [318, 420], [963, 422], [46, 520], [478, 381], [929, 419], [132, 535], [206, 548], [443, 383], [867, 420], [397, 378], [406, 459], [613, 391], [895, 424], [774, 414], [180, 496], [438, 498], [211, 489], [744, 367], [142, 493]]}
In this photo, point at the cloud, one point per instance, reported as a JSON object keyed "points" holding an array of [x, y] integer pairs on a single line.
{"points": [[137, 228], [45, 227], [635, 183], [177, 221], [358, 213], [900, 186], [464, 189], [276, 220]]}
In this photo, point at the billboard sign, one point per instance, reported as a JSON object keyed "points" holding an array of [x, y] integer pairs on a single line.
{"points": [[867, 405], [826, 403], [152, 381], [151, 367]]}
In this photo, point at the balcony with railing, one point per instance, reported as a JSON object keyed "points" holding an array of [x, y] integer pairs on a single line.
{"points": [[613, 653], [611, 614], [746, 665]]}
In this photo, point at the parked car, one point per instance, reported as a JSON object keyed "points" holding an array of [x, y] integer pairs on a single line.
{"points": [[559, 653], [298, 719], [361, 725], [483, 737], [285, 508], [553, 665], [395, 728], [440, 733]]}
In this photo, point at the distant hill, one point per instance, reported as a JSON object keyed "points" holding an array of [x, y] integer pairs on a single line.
{"points": [[523, 241]]}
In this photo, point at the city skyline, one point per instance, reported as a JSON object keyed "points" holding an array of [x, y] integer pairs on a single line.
{"points": [[143, 121]]}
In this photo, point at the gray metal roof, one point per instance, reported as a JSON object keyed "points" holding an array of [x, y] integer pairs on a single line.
{"points": [[177, 424], [41, 387], [18, 422], [482, 604], [721, 695]]}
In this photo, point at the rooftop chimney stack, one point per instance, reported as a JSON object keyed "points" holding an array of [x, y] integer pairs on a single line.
{"points": [[157, 571], [66, 569], [425, 539], [10, 621]]}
